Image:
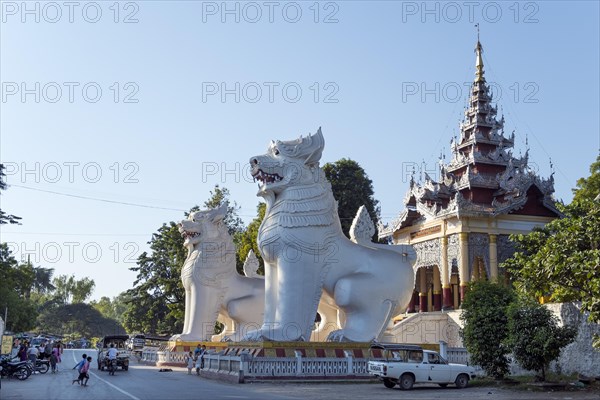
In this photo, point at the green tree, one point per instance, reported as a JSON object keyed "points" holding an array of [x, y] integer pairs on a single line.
{"points": [[6, 218], [77, 320], [21, 310], [351, 188], [70, 290], [562, 259], [588, 188], [485, 326], [157, 300], [247, 239], [105, 307], [534, 335]]}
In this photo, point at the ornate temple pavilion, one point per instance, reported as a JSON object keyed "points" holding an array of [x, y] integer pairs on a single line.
{"points": [[459, 226]]}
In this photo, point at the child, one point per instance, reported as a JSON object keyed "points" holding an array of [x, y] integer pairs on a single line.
{"points": [[79, 366], [198, 364], [190, 362], [53, 361], [87, 368]]}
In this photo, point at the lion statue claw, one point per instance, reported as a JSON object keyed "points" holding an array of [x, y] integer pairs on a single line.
{"points": [[307, 256]]}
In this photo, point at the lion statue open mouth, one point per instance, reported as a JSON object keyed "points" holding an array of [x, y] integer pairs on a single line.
{"points": [[306, 254]]}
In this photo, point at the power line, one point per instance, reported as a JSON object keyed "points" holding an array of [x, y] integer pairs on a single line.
{"points": [[111, 201], [75, 234], [98, 199]]}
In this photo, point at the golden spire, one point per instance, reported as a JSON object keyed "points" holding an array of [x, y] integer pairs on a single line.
{"points": [[479, 59]]}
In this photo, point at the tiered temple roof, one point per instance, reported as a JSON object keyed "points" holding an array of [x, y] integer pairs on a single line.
{"points": [[483, 178]]}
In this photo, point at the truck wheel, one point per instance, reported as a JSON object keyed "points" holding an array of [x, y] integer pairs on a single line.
{"points": [[125, 367], [462, 381], [388, 383], [406, 381]]}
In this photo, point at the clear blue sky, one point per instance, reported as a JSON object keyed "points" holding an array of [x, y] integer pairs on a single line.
{"points": [[384, 80]]}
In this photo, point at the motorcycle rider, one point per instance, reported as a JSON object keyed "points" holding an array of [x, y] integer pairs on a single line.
{"points": [[111, 354]]}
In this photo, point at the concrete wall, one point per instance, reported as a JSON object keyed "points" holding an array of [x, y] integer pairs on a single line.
{"points": [[579, 356]]}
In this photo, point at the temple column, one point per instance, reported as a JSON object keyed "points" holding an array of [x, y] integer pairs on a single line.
{"points": [[493, 258], [437, 289], [463, 273], [422, 289], [446, 291]]}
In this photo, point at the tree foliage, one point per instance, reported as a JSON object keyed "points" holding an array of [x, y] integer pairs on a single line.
{"points": [[21, 310], [4, 217], [562, 259], [157, 299], [351, 188], [112, 308], [20, 287], [247, 240], [70, 290], [534, 335], [588, 188], [77, 320], [485, 326]]}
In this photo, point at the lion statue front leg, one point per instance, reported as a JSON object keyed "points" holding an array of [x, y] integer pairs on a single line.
{"points": [[289, 309]]}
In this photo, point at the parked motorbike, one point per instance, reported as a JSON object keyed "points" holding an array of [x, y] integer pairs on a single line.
{"points": [[42, 366], [17, 370]]}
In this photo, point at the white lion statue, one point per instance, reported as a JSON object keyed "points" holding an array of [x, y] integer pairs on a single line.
{"points": [[214, 291], [306, 253], [213, 288]]}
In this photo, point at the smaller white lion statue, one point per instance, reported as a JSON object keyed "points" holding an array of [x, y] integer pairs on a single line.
{"points": [[214, 291]]}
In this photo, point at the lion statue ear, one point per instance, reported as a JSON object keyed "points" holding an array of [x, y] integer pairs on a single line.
{"points": [[218, 214], [317, 144]]}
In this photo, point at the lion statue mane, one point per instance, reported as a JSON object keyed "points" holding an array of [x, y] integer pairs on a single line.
{"points": [[308, 257]]}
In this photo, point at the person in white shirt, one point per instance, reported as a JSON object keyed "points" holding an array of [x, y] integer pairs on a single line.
{"points": [[32, 354], [112, 352]]}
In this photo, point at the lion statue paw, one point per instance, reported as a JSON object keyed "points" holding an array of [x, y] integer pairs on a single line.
{"points": [[338, 336]]}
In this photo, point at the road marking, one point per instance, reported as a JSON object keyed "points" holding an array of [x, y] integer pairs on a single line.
{"points": [[108, 383]]}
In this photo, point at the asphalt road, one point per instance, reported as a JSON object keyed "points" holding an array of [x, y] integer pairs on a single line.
{"points": [[143, 382]]}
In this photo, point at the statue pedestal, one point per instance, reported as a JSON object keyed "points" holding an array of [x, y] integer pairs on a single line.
{"points": [[280, 349]]}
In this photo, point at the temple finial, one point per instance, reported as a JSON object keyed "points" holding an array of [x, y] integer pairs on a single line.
{"points": [[479, 59]]}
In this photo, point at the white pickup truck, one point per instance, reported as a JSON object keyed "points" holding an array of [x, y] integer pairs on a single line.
{"points": [[406, 365]]}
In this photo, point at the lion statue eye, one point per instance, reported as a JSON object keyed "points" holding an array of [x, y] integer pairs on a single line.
{"points": [[276, 151]]}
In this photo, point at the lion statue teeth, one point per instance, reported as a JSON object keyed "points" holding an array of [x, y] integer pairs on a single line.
{"points": [[307, 256]]}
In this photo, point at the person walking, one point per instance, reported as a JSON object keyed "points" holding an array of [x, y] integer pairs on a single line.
{"points": [[53, 360], [56, 354], [79, 366], [83, 368], [200, 359], [189, 359], [87, 370]]}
